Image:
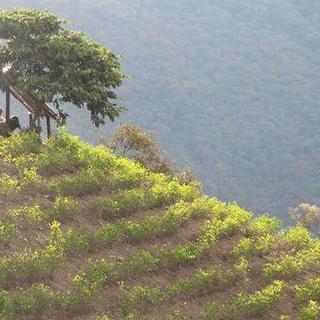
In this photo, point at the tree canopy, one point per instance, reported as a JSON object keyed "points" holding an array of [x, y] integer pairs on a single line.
{"points": [[57, 65]]}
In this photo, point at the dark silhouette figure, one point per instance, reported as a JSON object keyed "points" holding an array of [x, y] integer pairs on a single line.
{"points": [[6, 128]]}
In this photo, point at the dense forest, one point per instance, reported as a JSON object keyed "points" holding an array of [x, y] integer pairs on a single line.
{"points": [[230, 88]]}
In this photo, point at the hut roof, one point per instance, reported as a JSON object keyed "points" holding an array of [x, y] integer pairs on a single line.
{"points": [[30, 101]]}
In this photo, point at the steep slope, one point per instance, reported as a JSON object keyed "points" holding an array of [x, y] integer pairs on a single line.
{"points": [[87, 235], [229, 87]]}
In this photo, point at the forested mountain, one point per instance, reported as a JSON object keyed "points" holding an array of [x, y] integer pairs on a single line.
{"points": [[230, 88]]}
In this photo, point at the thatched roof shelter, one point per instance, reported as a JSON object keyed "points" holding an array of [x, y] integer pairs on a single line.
{"points": [[36, 107]]}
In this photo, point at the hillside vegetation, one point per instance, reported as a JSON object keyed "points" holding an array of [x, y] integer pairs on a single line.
{"points": [[230, 88], [87, 235]]}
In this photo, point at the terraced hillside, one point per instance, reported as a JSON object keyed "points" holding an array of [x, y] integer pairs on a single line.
{"points": [[87, 235]]}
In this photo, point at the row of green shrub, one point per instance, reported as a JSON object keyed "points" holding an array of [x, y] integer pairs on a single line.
{"points": [[101, 272], [246, 305], [297, 238], [118, 205], [39, 299], [162, 224], [96, 167], [292, 265], [36, 300], [241, 306], [202, 282], [34, 263], [63, 208], [130, 201], [55, 155]]}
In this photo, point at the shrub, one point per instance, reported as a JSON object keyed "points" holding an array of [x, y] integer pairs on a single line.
{"points": [[263, 225], [20, 144], [122, 204], [201, 282], [64, 207], [9, 185], [310, 312], [260, 301], [131, 142], [256, 246], [35, 300], [292, 265], [85, 182], [310, 290], [242, 267], [31, 213], [30, 264], [129, 201], [287, 266], [30, 179], [299, 237], [6, 231]]}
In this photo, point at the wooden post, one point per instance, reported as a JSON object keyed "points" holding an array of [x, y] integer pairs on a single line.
{"points": [[7, 105], [30, 121], [48, 127]]}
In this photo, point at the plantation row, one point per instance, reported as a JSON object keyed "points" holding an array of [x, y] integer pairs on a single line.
{"points": [[97, 275], [151, 226], [117, 206], [30, 264], [96, 168]]}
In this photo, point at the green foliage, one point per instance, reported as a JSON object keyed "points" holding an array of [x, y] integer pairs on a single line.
{"points": [[33, 214], [242, 268], [256, 246], [105, 271], [28, 179], [129, 201], [299, 237], [59, 65], [18, 145], [263, 225], [201, 282], [127, 248], [6, 231], [261, 301], [121, 204], [175, 217], [32, 264], [289, 266], [310, 312], [247, 305], [86, 181], [9, 185], [63, 208], [35, 300], [309, 290]]}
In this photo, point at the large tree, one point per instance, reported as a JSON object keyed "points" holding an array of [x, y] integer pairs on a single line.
{"points": [[57, 65]]}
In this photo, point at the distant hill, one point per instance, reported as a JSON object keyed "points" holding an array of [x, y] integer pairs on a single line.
{"points": [[230, 88], [87, 235]]}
